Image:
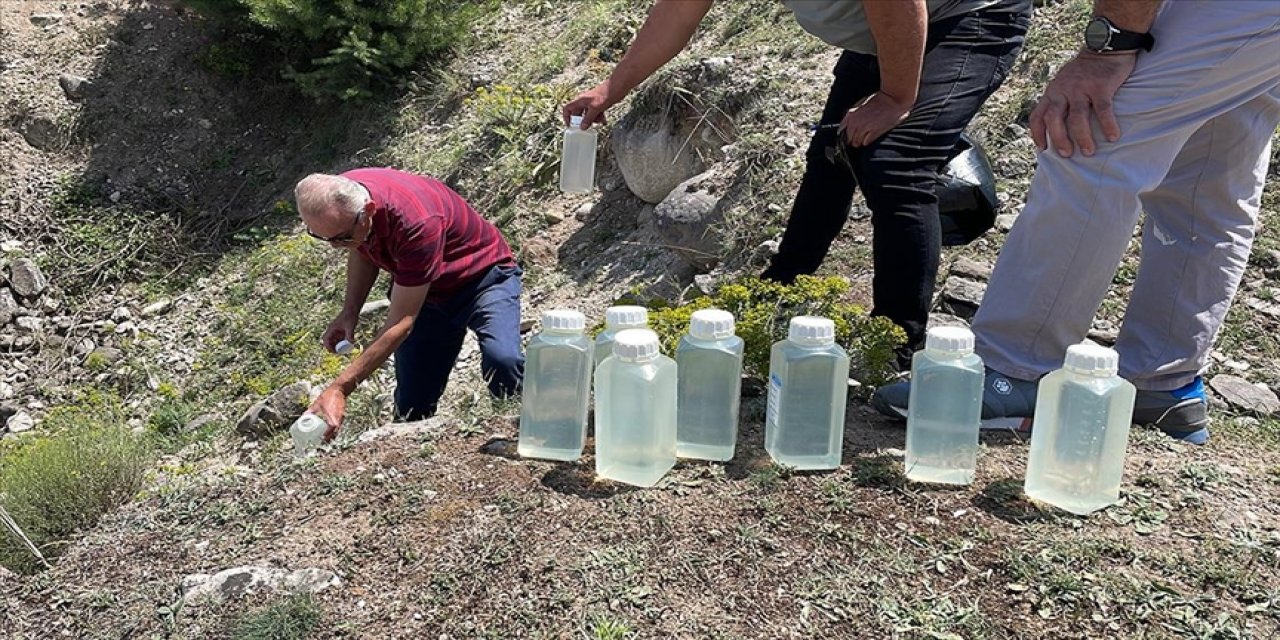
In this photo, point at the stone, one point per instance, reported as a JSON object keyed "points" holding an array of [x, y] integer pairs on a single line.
{"points": [[686, 220], [705, 282], [121, 314], [126, 328], [435, 424], [553, 217], [583, 212], [8, 306], [26, 279], [7, 410], [528, 324], [277, 410], [961, 296], [6, 391], [106, 355], [45, 19], [375, 306], [657, 148], [972, 269], [156, 308], [83, 347], [1104, 336], [76, 88], [1004, 221], [233, 583], [947, 320], [1244, 395], [539, 251], [20, 422], [30, 324], [41, 133], [200, 421], [767, 249]]}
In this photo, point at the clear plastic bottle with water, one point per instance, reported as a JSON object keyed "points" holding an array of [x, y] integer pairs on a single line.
{"points": [[1080, 432], [709, 362], [945, 408], [307, 433], [557, 388], [636, 411], [618, 319], [578, 158], [808, 389]]}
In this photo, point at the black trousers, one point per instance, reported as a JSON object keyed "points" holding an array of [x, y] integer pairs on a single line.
{"points": [[966, 59]]}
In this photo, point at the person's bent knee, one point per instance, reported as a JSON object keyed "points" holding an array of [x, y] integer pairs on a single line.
{"points": [[504, 371]]}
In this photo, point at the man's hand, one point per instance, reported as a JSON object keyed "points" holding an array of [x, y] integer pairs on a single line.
{"points": [[342, 328], [874, 117], [590, 104], [332, 406], [1081, 91]]}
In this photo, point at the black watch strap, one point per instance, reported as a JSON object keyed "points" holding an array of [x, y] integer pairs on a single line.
{"points": [[1103, 36]]}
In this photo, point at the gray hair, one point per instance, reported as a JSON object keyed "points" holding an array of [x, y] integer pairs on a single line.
{"points": [[319, 191]]}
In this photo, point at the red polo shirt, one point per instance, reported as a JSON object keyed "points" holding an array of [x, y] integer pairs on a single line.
{"points": [[425, 233]]}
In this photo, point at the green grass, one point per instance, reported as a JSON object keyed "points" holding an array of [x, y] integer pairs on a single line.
{"points": [[293, 618], [60, 484]]}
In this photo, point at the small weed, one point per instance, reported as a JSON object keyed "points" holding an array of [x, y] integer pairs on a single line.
{"points": [[605, 627], [170, 416], [293, 618], [883, 472], [770, 477], [1200, 476]]}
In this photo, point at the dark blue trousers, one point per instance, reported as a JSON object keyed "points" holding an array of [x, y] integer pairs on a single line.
{"points": [[489, 306]]}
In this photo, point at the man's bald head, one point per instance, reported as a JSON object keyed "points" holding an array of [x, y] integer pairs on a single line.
{"points": [[329, 204]]}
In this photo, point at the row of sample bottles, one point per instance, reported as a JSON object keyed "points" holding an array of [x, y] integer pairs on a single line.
{"points": [[1081, 423], [651, 409]]}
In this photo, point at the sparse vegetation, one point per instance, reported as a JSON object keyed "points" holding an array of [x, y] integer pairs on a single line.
{"points": [[292, 618]]}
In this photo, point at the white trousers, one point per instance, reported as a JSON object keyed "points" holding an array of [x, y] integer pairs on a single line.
{"points": [[1196, 119]]}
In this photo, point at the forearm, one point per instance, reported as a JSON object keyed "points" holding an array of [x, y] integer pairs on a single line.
{"points": [[361, 274], [670, 25], [1130, 15], [900, 29], [385, 344]]}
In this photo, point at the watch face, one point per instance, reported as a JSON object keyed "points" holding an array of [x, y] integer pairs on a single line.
{"points": [[1097, 34]]}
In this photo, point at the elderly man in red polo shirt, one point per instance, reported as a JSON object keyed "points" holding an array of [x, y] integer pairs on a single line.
{"points": [[451, 270]]}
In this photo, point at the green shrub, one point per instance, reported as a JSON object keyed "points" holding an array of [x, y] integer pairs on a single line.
{"points": [[341, 48], [58, 485], [763, 310], [293, 618]]}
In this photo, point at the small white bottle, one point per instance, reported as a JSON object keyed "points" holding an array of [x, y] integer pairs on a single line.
{"points": [[1080, 432], [307, 433], [557, 388], [709, 364], [618, 319], [636, 411], [945, 408], [343, 348], [808, 390], [578, 158]]}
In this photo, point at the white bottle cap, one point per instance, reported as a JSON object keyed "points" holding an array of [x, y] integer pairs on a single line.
{"points": [[565, 320], [711, 324], [635, 344], [949, 340], [343, 347], [811, 330], [1092, 359], [626, 317], [575, 122]]}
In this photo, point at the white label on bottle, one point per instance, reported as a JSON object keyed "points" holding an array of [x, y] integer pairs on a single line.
{"points": [[775, 393]]}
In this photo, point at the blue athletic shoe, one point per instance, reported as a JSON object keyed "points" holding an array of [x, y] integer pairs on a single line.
{"points": [[1183, 414], [1007, 403]]}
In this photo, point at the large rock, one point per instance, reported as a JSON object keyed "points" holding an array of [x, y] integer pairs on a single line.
{"points": [[20, 422], [233, 583], [961, 296], [1244, 395], [431, 425], [687, 217], [41, 133], [279, 409], [972, 269], [76, 88], [8, 307], [26, 279]]}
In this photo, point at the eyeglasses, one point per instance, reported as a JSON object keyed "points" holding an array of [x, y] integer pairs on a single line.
{"points": [[345, 238]]}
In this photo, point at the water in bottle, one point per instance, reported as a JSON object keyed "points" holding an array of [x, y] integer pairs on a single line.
{"points": [[578, 160], [307, 433], [808, 387], [617, 319], [1080, 432], [557, 388], [635, 411], [945, 408], [709, 363]]}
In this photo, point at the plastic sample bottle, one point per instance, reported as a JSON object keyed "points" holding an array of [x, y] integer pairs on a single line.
{"points": [[343, 348], [578, 158], [709, 362], [945, 408], [307, 433], [617, 319], [808, 389], [1080, 432], [635, 411], [557, 388]]}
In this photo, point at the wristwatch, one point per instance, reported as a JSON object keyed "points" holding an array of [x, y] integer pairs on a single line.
{"points": [[1103, 36]]}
